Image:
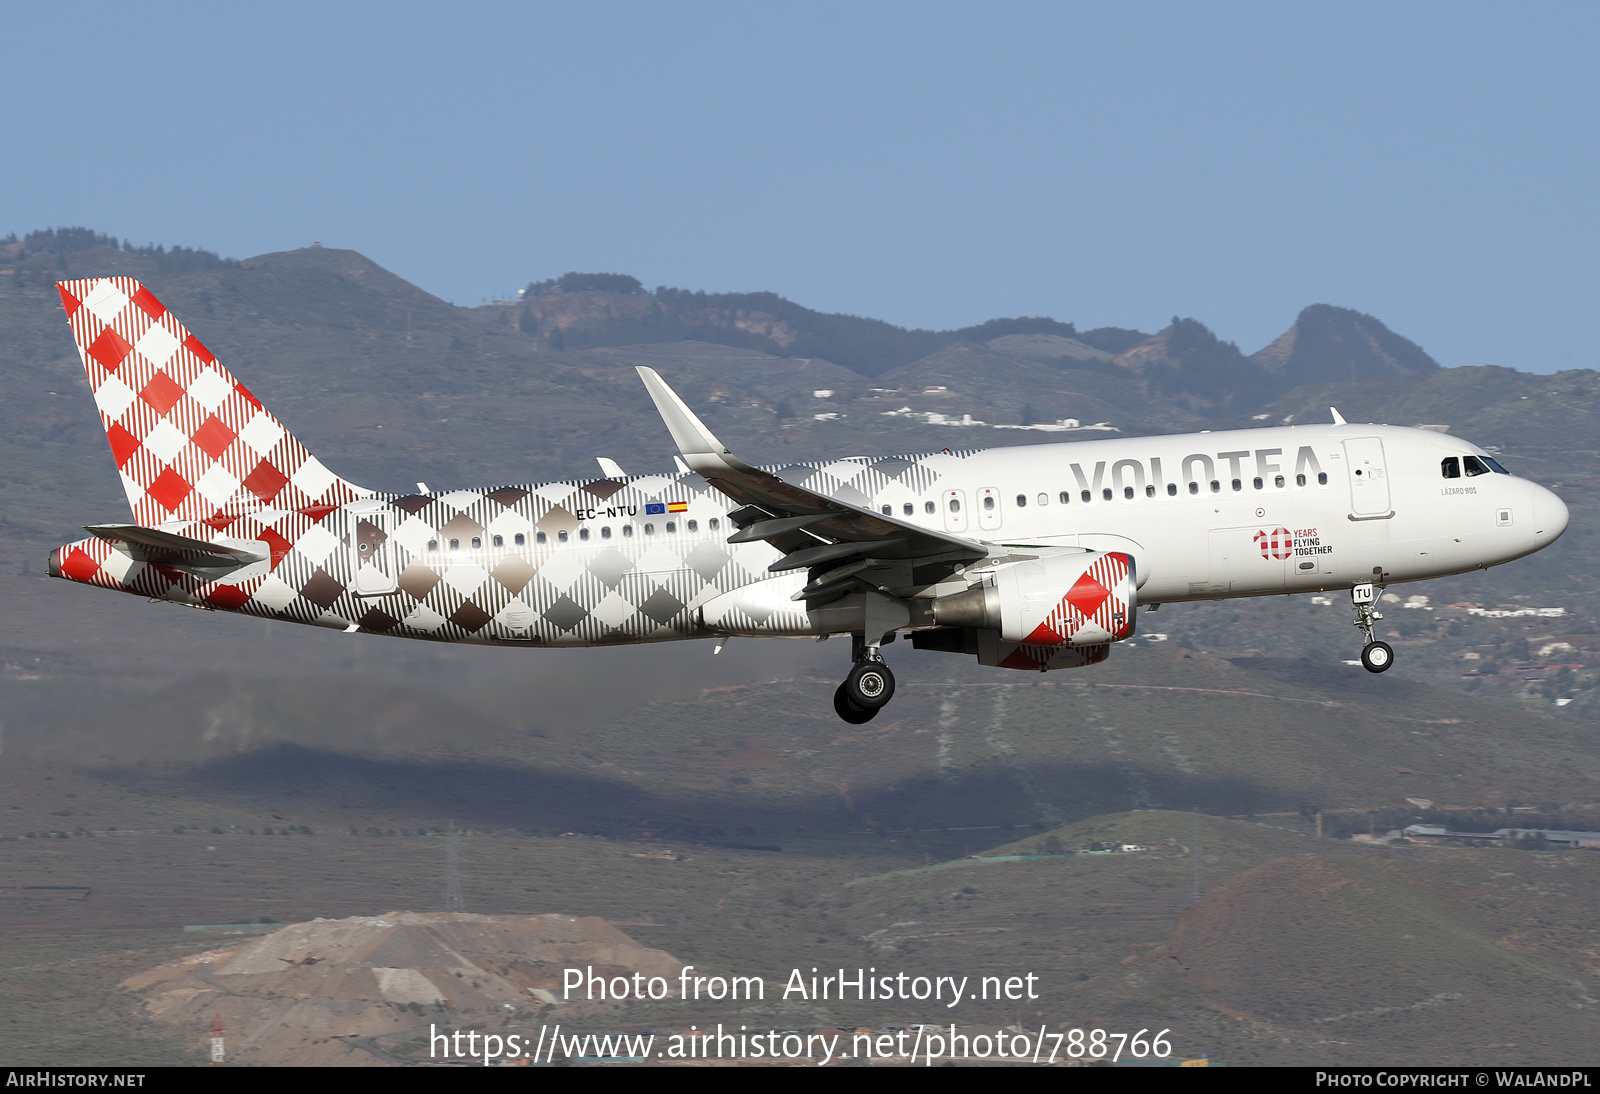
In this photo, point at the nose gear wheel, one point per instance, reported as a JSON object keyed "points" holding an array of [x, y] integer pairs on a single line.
{"points": [[1375, 656]]}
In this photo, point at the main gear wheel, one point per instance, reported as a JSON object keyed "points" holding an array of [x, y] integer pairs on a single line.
{"points": [[870, 684], [845, 709]]}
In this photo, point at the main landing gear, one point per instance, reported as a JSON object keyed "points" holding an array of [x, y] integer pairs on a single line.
{"points": [[1375, 656], [869, 686]]}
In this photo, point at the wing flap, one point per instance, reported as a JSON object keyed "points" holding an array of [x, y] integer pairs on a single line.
{"points": [[833, 552]]}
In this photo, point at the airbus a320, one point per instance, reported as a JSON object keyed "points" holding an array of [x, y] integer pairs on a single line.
{"points": [[1034, 557]]}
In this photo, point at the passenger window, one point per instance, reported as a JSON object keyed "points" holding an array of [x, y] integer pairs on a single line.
{"points": [[1022, 501], [693, 526], [583, 533], [1322, 478], [1066, 498], [927, 507], [649, 529], [433, 545], [714, 523], [1450, 467], [522, 539], [539, 538], [1088, 496], [988, 504], [1194, 488], [499, 541], [1150, 491], [1106, 493], [909, 509], [627, 531], [955, 505], [562, 535], [672, 526], [605, 533], [1044, 499], [455, 545], [1278, 481], [477, 543], [1257, 483], [1299, 480], [1127, 492], [1216, 487], [1172, 489], [1237, 486], [1474, 466]]}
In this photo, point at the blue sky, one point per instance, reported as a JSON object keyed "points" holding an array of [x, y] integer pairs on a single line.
{"points": [[929, 164]]}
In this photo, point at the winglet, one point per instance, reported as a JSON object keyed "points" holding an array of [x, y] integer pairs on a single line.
{"points": [[700, 447], [1338, 419]]}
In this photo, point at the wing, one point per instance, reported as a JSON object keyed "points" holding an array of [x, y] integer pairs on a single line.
{"points": [[840, 544]]}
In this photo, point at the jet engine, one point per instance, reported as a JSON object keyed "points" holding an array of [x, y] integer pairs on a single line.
{"points": [[1059, 611]]}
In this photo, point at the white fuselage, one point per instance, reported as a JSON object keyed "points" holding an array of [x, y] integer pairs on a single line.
{"points": [[1255, 512]]}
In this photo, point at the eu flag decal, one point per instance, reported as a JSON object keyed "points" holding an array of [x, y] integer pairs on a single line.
{"points": [[654, 508]]}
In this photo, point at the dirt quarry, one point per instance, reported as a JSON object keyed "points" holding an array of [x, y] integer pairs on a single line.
{"points": [[364, 990]]}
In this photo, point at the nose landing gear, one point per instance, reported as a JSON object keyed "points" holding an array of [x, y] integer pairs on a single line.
{"points": [[869, 686], [1375, 656]]}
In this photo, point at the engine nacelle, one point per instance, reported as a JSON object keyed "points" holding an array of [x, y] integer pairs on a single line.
{"points": [[1076, 600]]}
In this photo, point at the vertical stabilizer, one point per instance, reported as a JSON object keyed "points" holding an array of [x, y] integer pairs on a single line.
{"points": [[191, 442]]}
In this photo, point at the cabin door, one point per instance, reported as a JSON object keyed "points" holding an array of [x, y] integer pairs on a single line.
{"points": [[1369, 480], [371, 539]]}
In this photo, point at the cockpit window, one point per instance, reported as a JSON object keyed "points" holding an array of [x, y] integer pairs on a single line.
{"points": [[1494, 465], [1474, 466], [1450, 467]]}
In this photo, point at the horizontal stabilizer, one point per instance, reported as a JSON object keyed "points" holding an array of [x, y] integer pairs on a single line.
{"points": [[170, 541], [196, 556]]}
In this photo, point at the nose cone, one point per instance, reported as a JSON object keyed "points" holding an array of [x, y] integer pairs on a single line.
{"points": [[1549, 515]]}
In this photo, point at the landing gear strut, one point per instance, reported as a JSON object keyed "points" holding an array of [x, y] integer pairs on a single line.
{"points": [[1375, 656], [868, 687]]}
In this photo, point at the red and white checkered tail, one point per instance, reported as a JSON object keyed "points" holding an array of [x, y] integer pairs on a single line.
{"points": [[191, 442]]}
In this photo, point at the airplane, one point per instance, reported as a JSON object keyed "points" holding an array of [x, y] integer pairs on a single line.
{"points": [[1035, 557]]}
